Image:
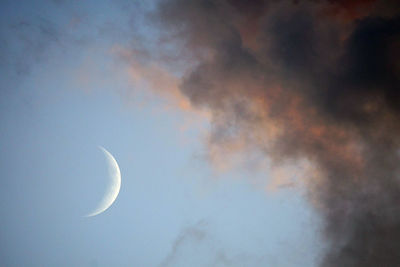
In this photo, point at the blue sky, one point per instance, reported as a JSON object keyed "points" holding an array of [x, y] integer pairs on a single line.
{"points": [[64, 92]]}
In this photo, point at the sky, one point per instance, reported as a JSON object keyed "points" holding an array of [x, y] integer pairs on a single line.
{"points": [[248, 133]]}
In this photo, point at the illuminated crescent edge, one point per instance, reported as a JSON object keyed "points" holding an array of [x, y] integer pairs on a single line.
{"points": [[113, 187]]}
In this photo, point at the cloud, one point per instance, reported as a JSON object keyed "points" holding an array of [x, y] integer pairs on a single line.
{"points": [[25, 42], [192, 234], [314, 82], [196, 245]]}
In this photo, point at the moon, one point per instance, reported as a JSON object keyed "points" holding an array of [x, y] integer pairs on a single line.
{"points": [[113, 187]]}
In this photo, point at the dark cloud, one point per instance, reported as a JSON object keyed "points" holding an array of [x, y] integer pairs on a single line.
{"points": [[315, 80]]}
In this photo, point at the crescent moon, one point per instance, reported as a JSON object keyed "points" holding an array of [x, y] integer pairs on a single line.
{"points": [[113, 187]]}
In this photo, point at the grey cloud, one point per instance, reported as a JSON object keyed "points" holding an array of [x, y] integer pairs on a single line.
{"points": [[327, 77]]}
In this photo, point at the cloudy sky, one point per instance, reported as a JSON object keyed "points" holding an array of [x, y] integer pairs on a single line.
{"points": [[248, 133]]}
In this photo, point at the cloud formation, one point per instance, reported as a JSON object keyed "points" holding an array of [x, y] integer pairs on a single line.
{"points": [[315, 81], [197, 245]]}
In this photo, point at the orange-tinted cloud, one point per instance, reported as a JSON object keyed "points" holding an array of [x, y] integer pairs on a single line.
{"points": [[299, 82]]}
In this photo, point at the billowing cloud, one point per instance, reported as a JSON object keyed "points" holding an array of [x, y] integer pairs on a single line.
{"points": [[300, 81]]}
